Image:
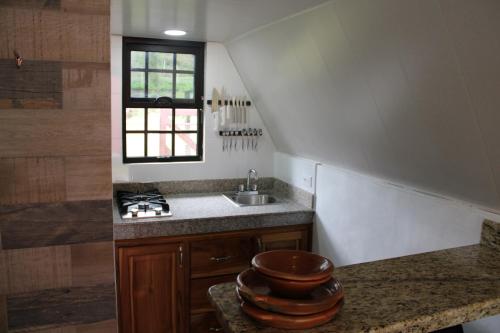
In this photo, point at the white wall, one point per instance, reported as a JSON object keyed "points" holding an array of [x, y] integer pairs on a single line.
{"points": [[296, 171], [405, 90], [361, 218], [219, 71]]}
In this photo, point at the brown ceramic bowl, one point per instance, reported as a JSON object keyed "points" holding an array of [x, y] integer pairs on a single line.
{"points": [[293, 289], [290, 322], [254, 288], [293, 265]]}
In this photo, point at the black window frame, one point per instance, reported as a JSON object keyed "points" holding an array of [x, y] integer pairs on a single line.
{"points": [[169, 46]]}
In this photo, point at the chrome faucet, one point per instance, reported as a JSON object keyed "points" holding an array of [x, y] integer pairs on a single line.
{"points": [[255, 177]]}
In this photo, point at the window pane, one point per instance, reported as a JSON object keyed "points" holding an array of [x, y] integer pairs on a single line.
{"points": [[159, 145], [184, 86], [185, 144], [160, 60], [159, 84], [135, 145], [134, 119], [159, 119], [137, 82], [186, 119], [185, 62], [137, 59]]}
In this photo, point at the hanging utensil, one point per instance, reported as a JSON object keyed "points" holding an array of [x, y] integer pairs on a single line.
{"points": [[222, 108], [244, 110], [215, 108]]}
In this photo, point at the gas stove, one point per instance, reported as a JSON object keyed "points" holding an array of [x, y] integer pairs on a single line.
{"points": [[142, 205]]}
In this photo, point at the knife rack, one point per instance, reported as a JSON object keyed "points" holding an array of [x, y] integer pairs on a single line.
{"points": [[228, 102], [239, 133]]}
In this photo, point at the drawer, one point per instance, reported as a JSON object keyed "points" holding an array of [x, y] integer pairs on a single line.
{"points": [[291, 240], [199, 290], [205, 323], [221, 256]]}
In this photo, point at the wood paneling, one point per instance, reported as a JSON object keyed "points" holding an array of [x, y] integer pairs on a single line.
{"points": [[32, 180], [92, 263], [54, 179], [3, 314], [49, 35], [3, 274], [107, 326], [50, 133], [62, 329], [37, 268], [55, 167], [88, 177], [6, 179], [36, 85], [36, 225], [99, 7], [58, 306], [86, 86], [34, 33], [38, 4], [39, 179]]}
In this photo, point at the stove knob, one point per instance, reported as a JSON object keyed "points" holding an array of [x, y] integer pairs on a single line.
{"points": [[165, 207], [134, 212], [158, 210]]}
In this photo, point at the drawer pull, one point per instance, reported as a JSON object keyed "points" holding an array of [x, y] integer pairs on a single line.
{"points": [[181, 256], [213, 329], [221, 259], [260, 247]]}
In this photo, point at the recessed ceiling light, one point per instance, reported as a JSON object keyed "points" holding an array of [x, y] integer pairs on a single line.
{"points": [[174, 32]]}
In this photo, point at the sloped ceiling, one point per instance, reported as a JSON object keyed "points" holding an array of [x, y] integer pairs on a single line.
{"points": [[407, 90], [204, 20]]}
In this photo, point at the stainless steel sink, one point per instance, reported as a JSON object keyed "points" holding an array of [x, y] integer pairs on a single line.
{"points": [[251, 199]]}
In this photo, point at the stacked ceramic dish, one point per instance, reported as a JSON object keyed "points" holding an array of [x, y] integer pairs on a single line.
{"points": [[290, 289]]}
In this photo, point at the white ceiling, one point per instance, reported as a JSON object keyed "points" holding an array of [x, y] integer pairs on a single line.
{"points": [[204, 20]]}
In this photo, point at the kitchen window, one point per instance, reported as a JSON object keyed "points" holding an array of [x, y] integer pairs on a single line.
{"points": [[162, 100]]}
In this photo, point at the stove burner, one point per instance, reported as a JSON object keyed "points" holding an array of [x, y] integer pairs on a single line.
{"points": [[147, 204]]}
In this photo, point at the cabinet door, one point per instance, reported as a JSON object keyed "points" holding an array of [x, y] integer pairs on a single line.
{"points": [[288, 240], [151, 282]]}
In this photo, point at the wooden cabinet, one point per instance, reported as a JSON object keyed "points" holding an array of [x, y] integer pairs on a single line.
{"points": [[287, 240], [163, 282], [199, 289], [152, 295], [205, 323]]}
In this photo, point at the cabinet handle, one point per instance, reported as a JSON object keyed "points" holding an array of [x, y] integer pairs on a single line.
{"points": [[181, 256], [215, 329], [259, 244], [221, 259]]}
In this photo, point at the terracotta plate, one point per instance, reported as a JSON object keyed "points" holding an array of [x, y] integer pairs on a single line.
{"points": [[290, 322], [254, 288], [293, 265]]}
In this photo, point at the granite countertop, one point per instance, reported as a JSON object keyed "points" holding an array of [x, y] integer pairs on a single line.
{"points": [[417, 293], [210, 212]]}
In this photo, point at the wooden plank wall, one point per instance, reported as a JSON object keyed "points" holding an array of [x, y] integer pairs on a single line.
{"points": [[56, 232]]}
